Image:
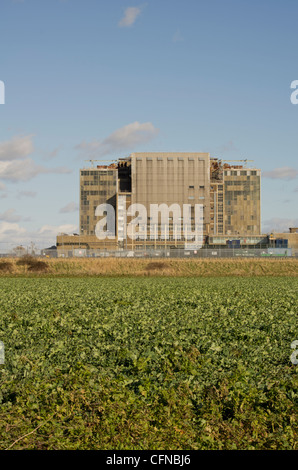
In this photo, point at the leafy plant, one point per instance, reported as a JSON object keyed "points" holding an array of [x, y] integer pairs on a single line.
{"points": [[148, 363]]}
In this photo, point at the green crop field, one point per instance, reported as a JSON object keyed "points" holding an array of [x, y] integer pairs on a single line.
{"points": [[148, 363]]}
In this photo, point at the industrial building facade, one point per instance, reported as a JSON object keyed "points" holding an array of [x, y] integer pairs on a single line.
{"points": [[97, 186], [235, 198], [228, 194]]}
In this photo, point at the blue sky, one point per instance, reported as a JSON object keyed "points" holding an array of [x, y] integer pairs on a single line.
{"points": [[100, 79]]}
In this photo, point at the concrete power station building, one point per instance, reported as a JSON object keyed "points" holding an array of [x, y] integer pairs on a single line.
{"points": [[228, 193]]}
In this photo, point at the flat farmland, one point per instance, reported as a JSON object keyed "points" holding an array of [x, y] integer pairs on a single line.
{"points": [[148, 363]]}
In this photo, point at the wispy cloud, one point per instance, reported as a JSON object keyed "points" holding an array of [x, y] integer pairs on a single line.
{"points": [[10, 216], [15, 164], [71, 207], [25, 170], [16, 148], [130, 16], [125, 138], [52, 154], [285, 173]]}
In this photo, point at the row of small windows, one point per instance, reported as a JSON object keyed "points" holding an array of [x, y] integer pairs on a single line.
{"points": [[99, 183], [97, 172], [150, 159], [93, 193], [240, 172]]}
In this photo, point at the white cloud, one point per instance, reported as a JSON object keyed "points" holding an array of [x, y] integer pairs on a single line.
{"points": [[25, 170], [285, 173], [9, 230], [15, 164], [71, 207], [127, 137], [130, 16], [12, 234], [16, 148]]}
